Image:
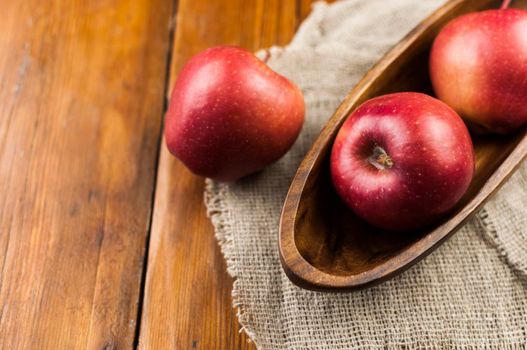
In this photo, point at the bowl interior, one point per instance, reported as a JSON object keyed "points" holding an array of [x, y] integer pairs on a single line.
{"points": [[330, 237]]}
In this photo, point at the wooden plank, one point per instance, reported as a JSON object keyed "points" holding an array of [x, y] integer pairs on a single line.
{"points": [[188, 292], [81, 99]]}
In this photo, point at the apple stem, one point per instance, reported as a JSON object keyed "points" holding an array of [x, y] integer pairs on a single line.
{"points": [[505, 4], [380, 159], [267, 56]]}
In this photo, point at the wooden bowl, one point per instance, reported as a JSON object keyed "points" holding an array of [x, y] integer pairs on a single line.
{"points": [[323, 244]]}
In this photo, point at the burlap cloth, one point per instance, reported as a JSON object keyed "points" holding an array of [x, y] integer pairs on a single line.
{"points": [[470, 293]]}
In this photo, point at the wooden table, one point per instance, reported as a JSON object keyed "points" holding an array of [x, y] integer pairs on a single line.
{"points": [[104, 241]]}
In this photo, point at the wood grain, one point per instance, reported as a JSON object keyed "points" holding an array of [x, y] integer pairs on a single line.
{"points": [[188, 293], [81, 100], [323, 244]]}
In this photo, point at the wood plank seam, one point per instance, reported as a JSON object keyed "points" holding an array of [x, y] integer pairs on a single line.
{"points": [[168, 60]]}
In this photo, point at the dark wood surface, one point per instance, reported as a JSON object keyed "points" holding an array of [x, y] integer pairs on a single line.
{"points": [[82, 97], [104, 239], [323, 245]]}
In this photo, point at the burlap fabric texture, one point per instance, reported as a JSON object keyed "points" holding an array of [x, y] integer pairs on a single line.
{"points": [[470, 293]]}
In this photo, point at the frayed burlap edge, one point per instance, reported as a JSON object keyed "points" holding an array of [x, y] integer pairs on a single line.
{"points": [[218, 213]]}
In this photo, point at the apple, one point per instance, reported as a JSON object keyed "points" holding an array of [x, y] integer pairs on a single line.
{"points": [[230, 115], [402, 160], [478, 66]]}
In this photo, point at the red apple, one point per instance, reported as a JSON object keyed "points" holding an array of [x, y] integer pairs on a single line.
{"points": [[230, 115], [402, 160], [478, 66]]}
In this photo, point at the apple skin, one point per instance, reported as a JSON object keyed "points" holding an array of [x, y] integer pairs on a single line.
{"points": [[478, 66], [431, 154], [230, 115]]}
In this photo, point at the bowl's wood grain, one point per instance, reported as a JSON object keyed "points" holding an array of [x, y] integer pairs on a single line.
{"points": [[323, 245]]}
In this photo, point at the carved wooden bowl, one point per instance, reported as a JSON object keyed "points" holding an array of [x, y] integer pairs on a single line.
{"points": [[323, 244]]}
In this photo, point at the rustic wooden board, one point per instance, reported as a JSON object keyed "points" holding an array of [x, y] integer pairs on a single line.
{"points": [[188, 293], [81, 99]]}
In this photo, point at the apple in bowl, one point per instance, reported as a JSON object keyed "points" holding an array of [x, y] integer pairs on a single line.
{"points": [[478, 66], [402, 160]]}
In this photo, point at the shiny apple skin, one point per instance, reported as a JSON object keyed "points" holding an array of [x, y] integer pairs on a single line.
{"points": [[230, 115], [478, 66], [432, 154]]}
